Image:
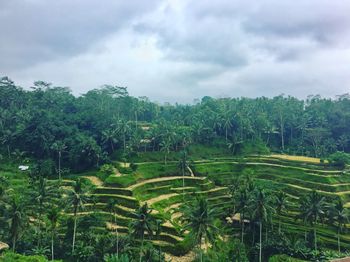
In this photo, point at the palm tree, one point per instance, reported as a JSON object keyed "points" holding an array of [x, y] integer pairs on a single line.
{"points": [[280, 205], [340, 216], [76, 198], [111, 207], [165, 147], [124, 129], [242, 208], [109, 137], [59, 146], [43, 194], [199, 219], [183, 165], [261, 210], [312, 210], [16, 216], [234, 188], [53, 215], [144, 223]]}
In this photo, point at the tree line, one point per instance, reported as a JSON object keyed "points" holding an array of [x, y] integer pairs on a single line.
{"points": [[48, 122]]}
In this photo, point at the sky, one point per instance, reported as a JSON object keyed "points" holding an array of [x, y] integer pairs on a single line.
{"points": [[179, 50]]}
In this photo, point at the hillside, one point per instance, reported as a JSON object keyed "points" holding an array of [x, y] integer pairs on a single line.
{"points": [[163, 190]]}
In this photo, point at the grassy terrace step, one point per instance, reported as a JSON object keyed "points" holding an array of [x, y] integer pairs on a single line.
{"points": [[106, 216], [237, 166], [326, 232], [163, 236], [161, 180], [122, 210], [113, 190], [126, 201]]}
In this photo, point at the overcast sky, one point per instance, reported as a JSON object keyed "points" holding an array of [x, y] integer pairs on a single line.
{"points": [[180, 50]]}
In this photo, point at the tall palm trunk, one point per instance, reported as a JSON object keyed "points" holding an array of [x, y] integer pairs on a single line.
{"points": [[8, 151], [279, 226], [14, 244], [52, 253], [200, 247], [260, 237], [143, 236], [124, 142], [242, 226], [59, 165], [315, 238], [74, 228], [338, 240], [116, 231], [183, 183]]}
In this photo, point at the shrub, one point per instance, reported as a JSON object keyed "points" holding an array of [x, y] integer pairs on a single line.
{"points": [[339, 159], [133, 166], [284, 258], [13, 257]]}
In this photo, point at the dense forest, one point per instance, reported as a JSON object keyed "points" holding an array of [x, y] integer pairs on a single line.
{"points": [[85, 131], [112, 177]]}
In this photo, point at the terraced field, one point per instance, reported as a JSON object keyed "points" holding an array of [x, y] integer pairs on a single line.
{"points": [[165, 190]]}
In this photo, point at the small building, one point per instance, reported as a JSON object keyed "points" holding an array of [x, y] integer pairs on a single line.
{"points": [[3, 246]]}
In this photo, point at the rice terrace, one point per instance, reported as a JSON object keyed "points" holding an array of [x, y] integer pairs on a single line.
{"points": [[174, 131]]}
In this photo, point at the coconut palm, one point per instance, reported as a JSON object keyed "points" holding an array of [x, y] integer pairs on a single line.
{"points": [[111, 207], [165, 147], [339, 215], [16, 217], [199, 218], [234, 189], [123, 128], [59, 147], [312, 210], [261, 209], [109, 136], [144, 223], [44, 193], [53, 215], [76, 199], [183, 165], [280, 205], [242, 208]]}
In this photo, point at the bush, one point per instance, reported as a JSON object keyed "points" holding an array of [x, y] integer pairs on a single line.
{"points": [[133, 166], [13, 257], [339, 159], [284, 258], [256, 147]]}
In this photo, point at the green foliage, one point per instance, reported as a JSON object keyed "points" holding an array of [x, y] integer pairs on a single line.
{"points": [[114, 258], [105, 171], [13, 257], [257, 147], [284, 258], [339, 159]]}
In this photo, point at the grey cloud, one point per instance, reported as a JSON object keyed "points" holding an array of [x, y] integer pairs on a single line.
{"points": [[179, 50], [38, 30], [183, 37]]}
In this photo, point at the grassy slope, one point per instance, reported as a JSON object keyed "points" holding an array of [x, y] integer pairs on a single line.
{"points": [[295, 176]]}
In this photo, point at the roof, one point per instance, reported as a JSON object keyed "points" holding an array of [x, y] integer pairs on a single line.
{"points": [[3, 246]]}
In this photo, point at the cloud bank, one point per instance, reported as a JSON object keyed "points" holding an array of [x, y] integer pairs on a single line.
{"points": [[179, 50]]}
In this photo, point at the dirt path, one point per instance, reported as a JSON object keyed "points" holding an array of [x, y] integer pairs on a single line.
{"points": [[159, 179], [172, 207], [159, 198], [94, 180], [186, 258], [116, 172]]}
